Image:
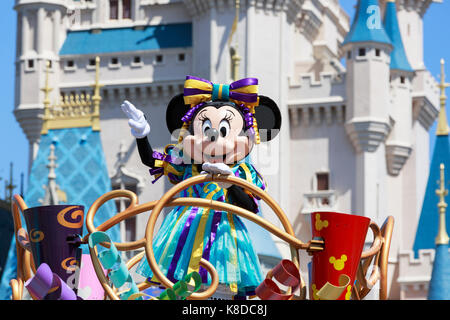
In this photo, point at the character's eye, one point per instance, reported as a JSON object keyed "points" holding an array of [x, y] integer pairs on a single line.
{"points": [[224, 128], [206, 126]]}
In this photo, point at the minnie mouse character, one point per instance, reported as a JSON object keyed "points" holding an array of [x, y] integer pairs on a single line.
{"points": [[217, 126]]}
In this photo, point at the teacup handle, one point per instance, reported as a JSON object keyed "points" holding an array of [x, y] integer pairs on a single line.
{"points": [[377, 241]]}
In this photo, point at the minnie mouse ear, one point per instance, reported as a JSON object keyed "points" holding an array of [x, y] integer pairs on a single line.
{"points": [[175, 111], [268, 118]]}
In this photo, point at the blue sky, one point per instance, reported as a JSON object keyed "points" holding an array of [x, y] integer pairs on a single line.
{"points": [[14, 146]]}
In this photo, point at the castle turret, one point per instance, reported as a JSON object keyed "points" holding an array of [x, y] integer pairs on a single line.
{"points": [[39, 37], [367, 49], [398, 145], [399, 142]]}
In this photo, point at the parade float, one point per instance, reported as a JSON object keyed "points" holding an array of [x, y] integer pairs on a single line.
{"points": [[48, 261]]}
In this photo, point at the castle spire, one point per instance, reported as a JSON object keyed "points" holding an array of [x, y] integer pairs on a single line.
{"points": [[367, 25], [439, 287], [399, 60], [442, 126]]}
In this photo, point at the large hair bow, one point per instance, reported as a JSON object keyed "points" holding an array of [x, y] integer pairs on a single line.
{"points": [[198, 90]]}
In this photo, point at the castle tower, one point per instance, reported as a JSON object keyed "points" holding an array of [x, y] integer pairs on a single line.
{"points": [[40, 33], [398, 145], [367, 49], [399, 141]]}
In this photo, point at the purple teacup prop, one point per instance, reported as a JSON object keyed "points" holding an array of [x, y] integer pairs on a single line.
{"points": [[54, 234]]}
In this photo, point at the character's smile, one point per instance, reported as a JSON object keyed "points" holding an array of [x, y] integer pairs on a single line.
{"points": [[213, 158]]}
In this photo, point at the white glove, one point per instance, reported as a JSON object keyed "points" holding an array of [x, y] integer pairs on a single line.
{"points": [[139, 126], [218, 168]]}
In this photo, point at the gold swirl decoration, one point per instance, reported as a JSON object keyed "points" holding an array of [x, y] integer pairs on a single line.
{"points": [[36, 235], [169, 199], [69, 264], [74, 215]]}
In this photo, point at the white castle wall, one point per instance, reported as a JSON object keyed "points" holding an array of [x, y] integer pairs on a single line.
{"points": [[293, 50]]}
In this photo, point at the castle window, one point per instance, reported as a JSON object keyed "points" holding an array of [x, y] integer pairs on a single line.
{"points": [[323, 184], [377, 52], [126, 9], [349, 55], [136, 62], [114, 61], [402, 80], [92, 62], [181, 57], [113, 9], [69, 65], [322, 181], [119, 9], [30, 64], [361, 52], [159, 58]]}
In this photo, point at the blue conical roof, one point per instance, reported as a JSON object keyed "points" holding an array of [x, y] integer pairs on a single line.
{"points": [[367, 25], [439, 288], [427, 228], [399, 61], [81, 172]]}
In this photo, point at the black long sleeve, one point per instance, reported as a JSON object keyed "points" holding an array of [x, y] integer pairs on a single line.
{"points": [[145, 152], [242, 199]]}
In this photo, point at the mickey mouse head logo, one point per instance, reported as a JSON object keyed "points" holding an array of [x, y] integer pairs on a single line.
{"points": [[320, 224], [338, 264]]}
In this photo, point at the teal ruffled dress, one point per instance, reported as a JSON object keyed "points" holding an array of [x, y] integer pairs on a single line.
{"points": [[188, 234]]}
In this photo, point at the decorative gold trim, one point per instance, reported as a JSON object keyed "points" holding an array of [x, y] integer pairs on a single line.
{"points": [[442, 126], [442, 237], [73, 111]]}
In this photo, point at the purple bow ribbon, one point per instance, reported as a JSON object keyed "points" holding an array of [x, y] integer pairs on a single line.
{"points": [[45, 282], [230, 92]]}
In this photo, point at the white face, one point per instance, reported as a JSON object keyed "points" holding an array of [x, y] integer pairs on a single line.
{"points": [[217, 136]]}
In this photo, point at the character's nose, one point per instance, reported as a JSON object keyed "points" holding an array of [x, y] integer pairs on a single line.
{"points": [[212, 134]]}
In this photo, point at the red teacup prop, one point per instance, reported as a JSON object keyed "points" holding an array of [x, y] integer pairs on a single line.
{"points": [[334, 269], [286, 273]]}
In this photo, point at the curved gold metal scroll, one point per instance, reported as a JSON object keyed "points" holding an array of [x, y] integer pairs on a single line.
{"points": [[379, 258], [167, 200], [24, 258]]}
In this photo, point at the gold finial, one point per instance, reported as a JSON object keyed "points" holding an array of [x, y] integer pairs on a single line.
{"points": [[46, 101], [442, 126], [442, 237], [235, 58], [96, 98]]}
